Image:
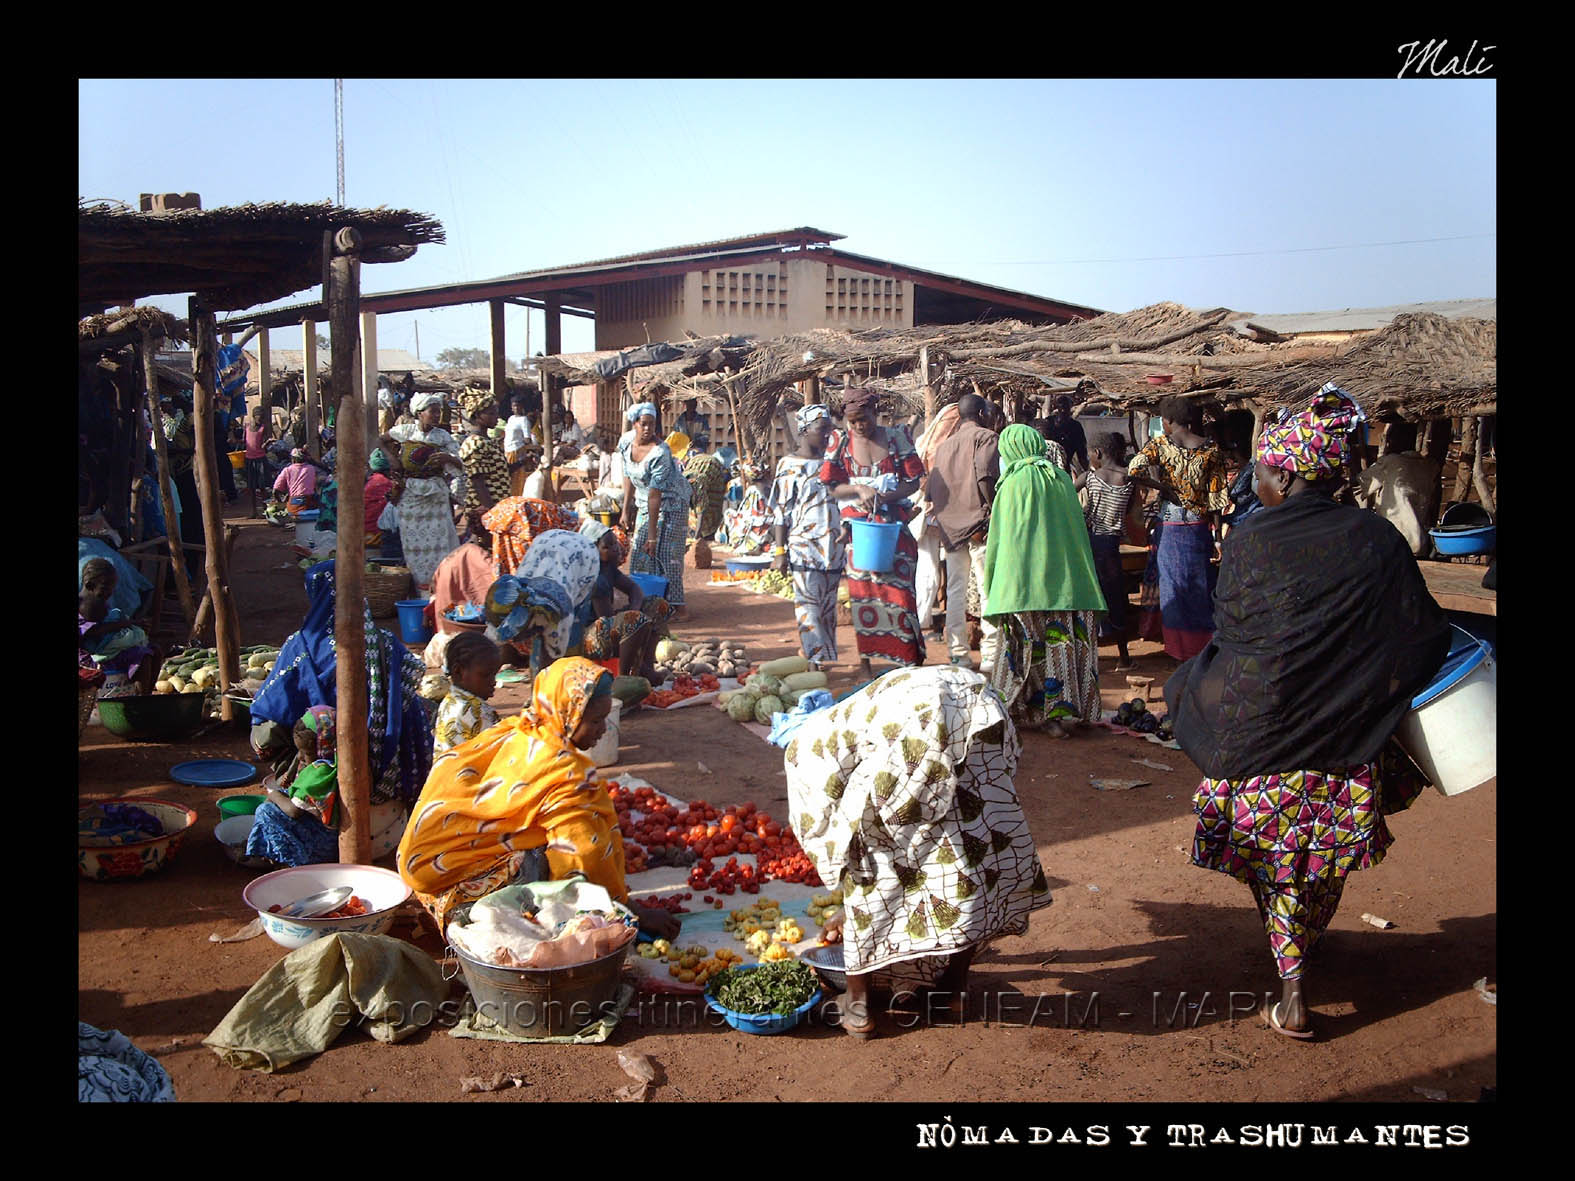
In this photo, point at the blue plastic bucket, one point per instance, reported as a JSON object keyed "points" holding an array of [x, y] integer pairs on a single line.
{"points": [[650, 584], [874, 545], [411, 628]]}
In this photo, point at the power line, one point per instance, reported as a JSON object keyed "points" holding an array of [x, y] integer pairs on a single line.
{"points": [[1189, 257]]}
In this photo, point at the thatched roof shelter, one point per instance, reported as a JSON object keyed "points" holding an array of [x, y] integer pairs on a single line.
{"points": [[233, 257], [1419, 367]]}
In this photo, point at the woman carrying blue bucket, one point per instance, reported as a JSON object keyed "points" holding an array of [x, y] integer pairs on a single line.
{"points": [[1323, 633]]}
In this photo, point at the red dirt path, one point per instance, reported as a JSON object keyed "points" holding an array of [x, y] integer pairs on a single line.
{"points": [[1395, 1009]]}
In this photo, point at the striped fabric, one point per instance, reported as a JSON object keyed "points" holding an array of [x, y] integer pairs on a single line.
{"points": [[1107, 506]]}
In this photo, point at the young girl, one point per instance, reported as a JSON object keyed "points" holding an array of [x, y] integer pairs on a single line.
{"points": [[1109, 494], [473, 662]]}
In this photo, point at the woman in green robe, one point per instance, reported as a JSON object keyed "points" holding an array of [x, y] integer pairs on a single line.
{"points": [[1042, 590]]}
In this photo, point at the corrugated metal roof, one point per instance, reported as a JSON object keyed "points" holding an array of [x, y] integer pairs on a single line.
{"points": [[1365, 319], [674, 253], [387, 359]]}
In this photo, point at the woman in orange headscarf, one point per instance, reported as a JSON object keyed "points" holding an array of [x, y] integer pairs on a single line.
{"points": [[520, 803]]}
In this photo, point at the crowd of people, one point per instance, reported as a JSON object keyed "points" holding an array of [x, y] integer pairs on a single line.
{"points": [[909, 781]]}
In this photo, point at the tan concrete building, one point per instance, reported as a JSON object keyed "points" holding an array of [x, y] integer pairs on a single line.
{"points": [[761, 285]]}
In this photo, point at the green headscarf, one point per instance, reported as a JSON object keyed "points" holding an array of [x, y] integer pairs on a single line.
{"points": [[1039, 557], [380, 461]]}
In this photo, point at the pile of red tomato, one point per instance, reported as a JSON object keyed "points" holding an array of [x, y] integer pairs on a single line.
{"points": [[711, 835], [683, 687]]}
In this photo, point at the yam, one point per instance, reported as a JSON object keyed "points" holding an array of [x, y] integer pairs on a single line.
{"points": [[699, 668]]}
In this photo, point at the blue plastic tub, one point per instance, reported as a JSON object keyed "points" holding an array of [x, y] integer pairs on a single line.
{"points": [[411, 628], [761, 1022], [1465, 541], [650, 584], [874, 545]]}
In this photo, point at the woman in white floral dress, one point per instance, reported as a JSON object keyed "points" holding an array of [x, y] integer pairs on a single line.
{"points": [[902, 797], [427, 453]]}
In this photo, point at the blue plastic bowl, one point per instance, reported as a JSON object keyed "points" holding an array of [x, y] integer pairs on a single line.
{"points": [[1464, 541], [650, 584], [761, 1022]]}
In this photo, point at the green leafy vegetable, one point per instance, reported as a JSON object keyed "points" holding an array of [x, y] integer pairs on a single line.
{"points": [[778, 988]]}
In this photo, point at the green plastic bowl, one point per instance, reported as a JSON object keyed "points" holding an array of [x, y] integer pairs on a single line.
{"points": [[242, 805], [162, 717]]}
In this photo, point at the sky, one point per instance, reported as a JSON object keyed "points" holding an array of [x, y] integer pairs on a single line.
{"points": [[1263, 196]]}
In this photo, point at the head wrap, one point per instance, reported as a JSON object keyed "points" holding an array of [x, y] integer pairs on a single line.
{"points": [[474, 401], [1312, 443], [749, 471], [656, 607], [640, 410], [322, 721], [419, 402], [678, 444], [380, 461], [513, 603], [859, 399], [298, 454], [1038, 556], [594, 529], [811, 414]]}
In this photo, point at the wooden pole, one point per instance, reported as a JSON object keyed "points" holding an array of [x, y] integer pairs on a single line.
{"points": [[549, 482], [1465, 469], [1479, 475], [929, 388], [343, 298], [150, 377], [120, 448], [139, 467], [499, 356], [554, 320], [738, 432], [264, 365], [225, 628], [368, 383], [313, 409]]}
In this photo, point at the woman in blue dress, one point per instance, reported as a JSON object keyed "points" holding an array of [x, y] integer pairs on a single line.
{"points": [[659, 516]]}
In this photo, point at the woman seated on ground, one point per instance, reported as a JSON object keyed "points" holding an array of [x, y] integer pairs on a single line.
{"points": [[463, 577], [907, 804], [472, 662], [1323, 632], [631, 637], [398, 724], [610, 578], [106, 640], [298, 824], [520, 803], [297, 484], [1041, 591]]}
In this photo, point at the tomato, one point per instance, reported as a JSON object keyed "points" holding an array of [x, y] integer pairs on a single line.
{"points": [[729, 822]]}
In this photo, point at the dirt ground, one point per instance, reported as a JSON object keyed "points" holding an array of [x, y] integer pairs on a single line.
{"points": [[1087, 1006]]}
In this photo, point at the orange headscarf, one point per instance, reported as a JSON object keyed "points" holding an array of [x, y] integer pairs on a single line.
{"points": [[520, 785]]}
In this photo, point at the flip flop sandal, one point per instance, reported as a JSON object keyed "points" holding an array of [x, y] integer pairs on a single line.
{"points": [[1302, 1035], [862, 1032]]}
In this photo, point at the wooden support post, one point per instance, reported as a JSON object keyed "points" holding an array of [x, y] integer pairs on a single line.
{"points": [[500, 361], [205, 381], [1479, 475], [1464, 470], [150, 378], [205, 608], [138, 471], [313, 407], [929, 387], [554, 325], [343, 298], [264, 365], [549, 483], [368, 385]]}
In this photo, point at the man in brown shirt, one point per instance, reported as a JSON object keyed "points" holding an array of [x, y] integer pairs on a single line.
{"points": [[962, 487]]}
